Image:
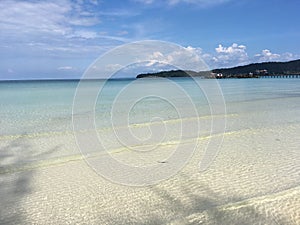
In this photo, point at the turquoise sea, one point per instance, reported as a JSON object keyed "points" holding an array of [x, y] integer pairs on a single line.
{"points": [[46, 106], [39, 107]]}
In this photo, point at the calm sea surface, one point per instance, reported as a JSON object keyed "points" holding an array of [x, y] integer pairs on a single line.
{"points": [[45, 106]]}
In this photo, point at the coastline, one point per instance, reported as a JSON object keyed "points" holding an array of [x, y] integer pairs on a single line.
{"points": [[254, 178]]}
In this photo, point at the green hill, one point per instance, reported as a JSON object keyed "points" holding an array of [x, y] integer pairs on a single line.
{"points": [[254, 70], [271, 68]]}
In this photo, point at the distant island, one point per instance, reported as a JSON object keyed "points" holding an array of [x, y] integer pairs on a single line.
{"points": [[254, 70]]}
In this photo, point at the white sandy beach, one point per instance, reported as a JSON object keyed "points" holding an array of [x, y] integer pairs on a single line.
{"points": [[254, 179]]}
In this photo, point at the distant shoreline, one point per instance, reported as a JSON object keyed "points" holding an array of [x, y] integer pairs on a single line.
{"points": [[254, 70]]}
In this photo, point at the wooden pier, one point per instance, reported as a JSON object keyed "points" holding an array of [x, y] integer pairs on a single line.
{"points": [[281, 76]]}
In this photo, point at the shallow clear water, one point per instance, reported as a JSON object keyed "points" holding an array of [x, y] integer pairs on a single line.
{"points": [[138, 112], [44, 106]]}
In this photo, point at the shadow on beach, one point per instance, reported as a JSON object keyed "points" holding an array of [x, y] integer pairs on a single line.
{"points": [[192, 202], [13, 185], [16, 179], [204, 209], [196, 209]]}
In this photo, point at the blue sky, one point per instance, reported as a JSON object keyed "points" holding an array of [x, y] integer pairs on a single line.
{"points": [[61, 38]]}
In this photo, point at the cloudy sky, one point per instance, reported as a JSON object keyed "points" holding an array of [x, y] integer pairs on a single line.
{"points": [[61, 38]]}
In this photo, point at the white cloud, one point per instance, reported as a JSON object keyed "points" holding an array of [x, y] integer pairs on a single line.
{"points": [[224, 56], [44, 16], [187, 58], [155, 58], [236, 55], [233, 55], [50, 23], [22, 16], [266, 55], [235, 48], [146, 57], [289, 56], [57, 27]]}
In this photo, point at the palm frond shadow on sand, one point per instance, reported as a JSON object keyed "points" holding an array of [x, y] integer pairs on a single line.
{"points": [[197, 209], [16, 183], [204, 209]]}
